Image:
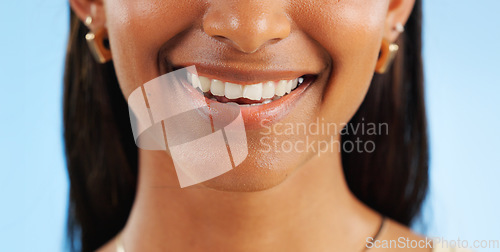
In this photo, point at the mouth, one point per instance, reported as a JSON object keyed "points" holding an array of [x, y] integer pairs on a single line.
{"points": [[248, 94], [262, 98]]}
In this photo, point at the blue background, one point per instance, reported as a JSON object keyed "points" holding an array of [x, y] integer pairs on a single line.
{"points": [[461, 52]]}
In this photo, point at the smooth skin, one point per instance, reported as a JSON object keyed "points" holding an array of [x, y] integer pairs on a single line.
{"points": [[273, 201]]}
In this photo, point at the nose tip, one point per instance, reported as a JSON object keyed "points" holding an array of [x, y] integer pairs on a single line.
{"points": [[247, 29]]}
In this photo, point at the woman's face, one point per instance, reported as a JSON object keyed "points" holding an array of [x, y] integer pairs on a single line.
{"points": [[246, 42]]}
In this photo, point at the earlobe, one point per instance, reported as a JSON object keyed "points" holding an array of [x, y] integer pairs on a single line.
{"points": [[398, 13], [89, 8], [91, 13], [81, 8]]}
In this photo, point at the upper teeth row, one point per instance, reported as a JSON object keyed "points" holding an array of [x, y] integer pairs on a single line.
{"points": [[265, 90]]}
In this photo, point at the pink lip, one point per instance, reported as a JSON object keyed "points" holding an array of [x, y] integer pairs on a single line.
{"points": [[257, 116]]}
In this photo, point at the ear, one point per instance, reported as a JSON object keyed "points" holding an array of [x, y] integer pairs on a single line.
{"points": [[399, 12], [92, 8]]}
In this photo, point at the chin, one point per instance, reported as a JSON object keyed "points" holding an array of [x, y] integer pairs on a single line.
{"points": [[255, 174], [264, 168]]}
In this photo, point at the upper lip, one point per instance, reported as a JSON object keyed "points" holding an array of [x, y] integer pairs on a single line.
{"points": [[243, 76]]}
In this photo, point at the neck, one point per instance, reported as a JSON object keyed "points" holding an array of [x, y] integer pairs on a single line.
{"points": [[312, 210]]}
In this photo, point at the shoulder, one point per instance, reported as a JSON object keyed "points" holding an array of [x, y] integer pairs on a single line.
{"points": [[397, 237], [416, 242]]}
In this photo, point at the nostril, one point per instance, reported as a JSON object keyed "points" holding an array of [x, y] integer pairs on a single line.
{"points": [[233, 44], [221, 38]]}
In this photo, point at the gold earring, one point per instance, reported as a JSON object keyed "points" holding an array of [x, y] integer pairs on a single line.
{"points": [[387, 53], [98, 43]]}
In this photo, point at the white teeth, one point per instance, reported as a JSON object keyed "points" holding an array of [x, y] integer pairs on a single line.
{"points": [[289, 86], [217, 87], [195, 81], [268, 90], [233, 91], [204, 84], [253, 92], [295, 82], [281, 88]]}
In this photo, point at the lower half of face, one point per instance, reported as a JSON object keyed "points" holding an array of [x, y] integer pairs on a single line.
{"points": [[298, 70]]}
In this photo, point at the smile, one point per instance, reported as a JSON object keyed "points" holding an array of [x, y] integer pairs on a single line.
{"points": [[244, 95], [263, 97]]}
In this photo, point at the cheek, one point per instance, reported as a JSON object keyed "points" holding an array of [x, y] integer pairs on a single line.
{"points": [[137, 31], [351, 33]]}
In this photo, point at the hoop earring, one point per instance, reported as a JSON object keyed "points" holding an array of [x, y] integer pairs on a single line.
{"points": [[387, 53], [98, 43]]}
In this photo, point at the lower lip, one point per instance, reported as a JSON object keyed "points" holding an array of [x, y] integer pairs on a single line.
{"points": [[258, 116]]}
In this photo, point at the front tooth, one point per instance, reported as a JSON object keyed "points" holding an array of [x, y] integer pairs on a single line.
{"points": [[233, 91], [268, 90], [204, 84], [281, 88], [253, 92], [289, 86], [195, 81], [217, 87], [295, 83]]}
